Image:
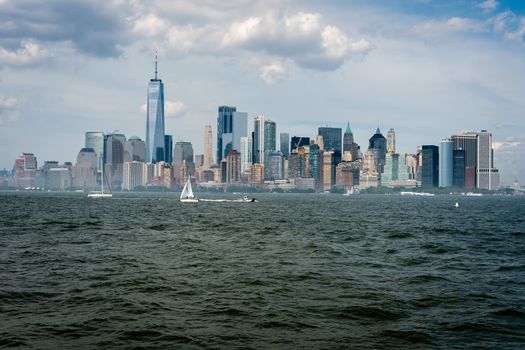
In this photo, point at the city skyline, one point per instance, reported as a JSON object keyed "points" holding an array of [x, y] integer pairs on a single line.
{"points": [[300, 89]]}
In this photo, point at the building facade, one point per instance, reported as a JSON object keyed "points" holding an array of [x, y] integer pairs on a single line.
{"points": [[155, 147]]}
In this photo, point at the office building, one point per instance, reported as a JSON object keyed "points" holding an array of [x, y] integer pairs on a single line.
{"points": [[391, 141], [297, 166], [377, 144], [95, 141], [155, 147], [114, 156], [446, 163], [349, 146], [285, 144], [208, 152], [233, 167], [458, 171], [468, 142], [134, 150], [487, 176], [299, 141], [332, 138], [275, 166], [430, 166], [85, 170], [168, 149], [264, 140], [328, 170], [246, 154], [231, 127], [133, 175]]}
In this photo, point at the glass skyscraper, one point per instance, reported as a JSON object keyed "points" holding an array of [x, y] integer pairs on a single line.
{"points": [[231, 126], [377, 144], [430, 166], [285, 144], [332, 139], [95, 140], [446, 163], [155, 142]]}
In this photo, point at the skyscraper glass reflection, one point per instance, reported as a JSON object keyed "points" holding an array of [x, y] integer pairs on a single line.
{"points": [[155, 120]]}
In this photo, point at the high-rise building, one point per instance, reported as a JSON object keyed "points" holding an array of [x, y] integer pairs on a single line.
{"points": [[275, 165], [349, 146], [231, 126], [114, 154], [332, 139], [347, 175], [390, 168], [183, 164], [446, 163], [155, 120], [134, 150], [458, 172], [25, 170], [487, 176], [328, 171], [377, 144], [315, 165], [85, 170], [264, 140], [297, 166], [430, 166], [270, 138], [246, 154], [468, 142], [285, 144], [133, 175], [95, 141], [208, 158], [299, 141], [168, 149], [391, 140], [233, 167]]}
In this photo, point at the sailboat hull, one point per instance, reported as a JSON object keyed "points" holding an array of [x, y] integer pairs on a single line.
{"points": [[189, 200], [100, 195]]}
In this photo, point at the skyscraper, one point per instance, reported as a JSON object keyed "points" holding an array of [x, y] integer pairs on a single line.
{"points": [[285, 144], [264, 139], [85, 170], [275, 165], [155, 120], [487, 176], [458, 173], [331, 139], [446, 163], [95, 141], [299, 141], [168, 148], [134, 150], [208, 158], [377, 144], [114, 155], [468, 142], [349, 145], [391, 140], [231, 126], [430, 166], [246, 154], [233, 167]]}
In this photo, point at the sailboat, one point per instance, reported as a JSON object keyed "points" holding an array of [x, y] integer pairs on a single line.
{"points": [[187, 193], [101, 194]]}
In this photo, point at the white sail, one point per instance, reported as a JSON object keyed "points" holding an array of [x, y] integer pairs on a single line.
{"points": [[187, 192]]}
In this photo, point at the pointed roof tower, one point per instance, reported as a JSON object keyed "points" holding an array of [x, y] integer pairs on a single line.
{"points": [[348, 130]]}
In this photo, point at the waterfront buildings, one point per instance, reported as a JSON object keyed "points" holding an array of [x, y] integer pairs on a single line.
{"points": [[85, 170], [208, 137], [430, 166], [487, 176], [155, 140], [231, 127], [95, 141], [377, 144], [284, 139], [468, 142], [446, 163]]}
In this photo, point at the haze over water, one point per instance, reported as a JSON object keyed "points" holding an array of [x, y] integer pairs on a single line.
{"points": [[291, 271]]}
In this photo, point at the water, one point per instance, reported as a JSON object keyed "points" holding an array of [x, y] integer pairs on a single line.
{"points": [[288, 272]]}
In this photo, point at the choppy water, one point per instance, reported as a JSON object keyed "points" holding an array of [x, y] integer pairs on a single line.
{"points": [[289, 272]]}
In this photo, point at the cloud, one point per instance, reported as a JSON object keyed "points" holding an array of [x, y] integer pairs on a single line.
{"points": [[172, 109], [272, 73], [453, 25], [499, 146], [8, 109], [488, 5], [29, 53]]}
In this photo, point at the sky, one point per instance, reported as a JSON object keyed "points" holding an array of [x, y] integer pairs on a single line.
{"points": [[428, 69]]}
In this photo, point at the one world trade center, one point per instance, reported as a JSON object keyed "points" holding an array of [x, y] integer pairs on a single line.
{"points": [[155, 120]]}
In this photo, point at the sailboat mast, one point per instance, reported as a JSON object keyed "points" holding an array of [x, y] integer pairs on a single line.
{"points": [[102, 178]]}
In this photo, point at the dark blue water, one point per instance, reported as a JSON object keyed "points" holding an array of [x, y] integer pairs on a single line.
{"points": [[288, 272]]}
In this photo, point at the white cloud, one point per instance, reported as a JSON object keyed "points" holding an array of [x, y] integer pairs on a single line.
{"points": [[29, 53], [272, 73], [172, 109], [488, 5], [8, 109], [435, 29], [149, 25]]}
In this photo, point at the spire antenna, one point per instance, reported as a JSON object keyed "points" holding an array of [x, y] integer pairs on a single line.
{"points": [[155, 65]]}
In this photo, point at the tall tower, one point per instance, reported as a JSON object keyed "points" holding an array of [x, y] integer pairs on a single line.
{"points": [[284, 139], [391, 140], [430, 166], [377, 144], [231, 126], [446, 163], [486, 175], [155, 120], [468, 142], [208, 159]]}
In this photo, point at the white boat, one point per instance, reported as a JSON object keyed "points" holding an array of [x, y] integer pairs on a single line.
{"points": [[474, 194], [351, 191], [410, 193], [187, 193], [248, 199], [101, 194]]}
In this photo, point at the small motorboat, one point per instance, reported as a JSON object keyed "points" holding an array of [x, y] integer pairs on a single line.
{"points": [[248, 199]]}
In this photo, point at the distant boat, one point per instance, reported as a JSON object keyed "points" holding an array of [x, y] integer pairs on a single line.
{"points": [[352, 190], [101, 194], [410, 193], [472, 194], [248, 199], [187, 193], [456, 205]]}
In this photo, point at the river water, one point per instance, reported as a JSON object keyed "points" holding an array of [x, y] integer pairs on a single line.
{"points": [[288, 272]]}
